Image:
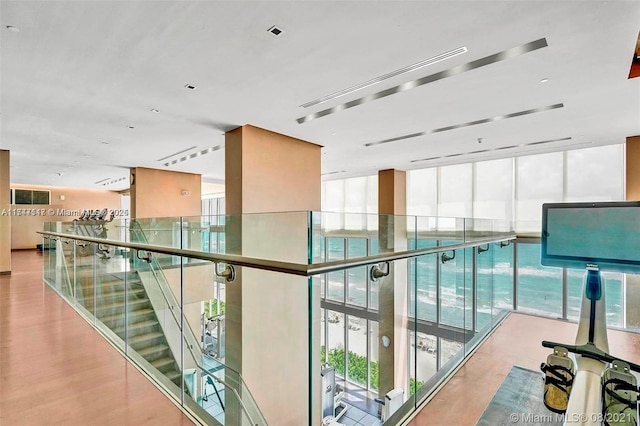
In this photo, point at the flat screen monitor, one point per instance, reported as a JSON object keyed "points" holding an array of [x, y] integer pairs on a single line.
{"points": [[606, 234]]}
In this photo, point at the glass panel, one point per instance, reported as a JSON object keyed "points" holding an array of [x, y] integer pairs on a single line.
{"points": [[323, 336], [503, 279], [452, 288], [426, 276], [357, 338], [41, 197], [374, 286], [426, 362], [467, 272], [112, 294], [539, 287], [153, 319], [357, 277], [335, 341], [22, 196], [484, 285], [374, 365], [613, 283], [450, 349], [335, 280], [575, 283]]}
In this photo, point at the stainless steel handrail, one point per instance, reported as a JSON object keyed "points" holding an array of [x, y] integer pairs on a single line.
{"points": [[300, 269]]}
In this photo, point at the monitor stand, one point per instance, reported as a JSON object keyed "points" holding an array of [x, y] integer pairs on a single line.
{"points": [[591, 349]]}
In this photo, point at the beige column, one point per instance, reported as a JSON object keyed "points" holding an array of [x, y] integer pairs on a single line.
{"points": [[632, 183], [393, 302], [164, 193], [5, 216], [267, 313]]}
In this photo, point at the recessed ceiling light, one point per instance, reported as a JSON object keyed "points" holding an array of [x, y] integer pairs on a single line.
{"points": [[275, 31], [155, 110], [190, 86], [544, 80], [13, 29]]}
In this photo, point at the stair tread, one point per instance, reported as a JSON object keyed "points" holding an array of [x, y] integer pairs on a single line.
{"points": [[139, 325], [137, 312], [122, 304], [152, 349], [144, 337], [163, 362]]}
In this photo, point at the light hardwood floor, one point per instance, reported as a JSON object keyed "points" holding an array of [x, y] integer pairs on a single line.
{"points": [[56, 369], [517, 341]]}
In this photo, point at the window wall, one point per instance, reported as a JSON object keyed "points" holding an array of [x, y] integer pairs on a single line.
{"points": [[515, 188]]}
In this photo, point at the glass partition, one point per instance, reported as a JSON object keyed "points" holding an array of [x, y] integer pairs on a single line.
{"points": [[405, 323]]}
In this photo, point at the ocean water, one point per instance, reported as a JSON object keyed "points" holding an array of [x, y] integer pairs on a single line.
{"points": [[539, 287]]}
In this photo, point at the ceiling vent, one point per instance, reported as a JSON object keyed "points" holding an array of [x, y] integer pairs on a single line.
{"points": [[190, 86], [275, 31]]}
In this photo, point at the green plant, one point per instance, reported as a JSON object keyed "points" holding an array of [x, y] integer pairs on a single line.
{"points": [[414, 386], [358, 369], [211, 308]]}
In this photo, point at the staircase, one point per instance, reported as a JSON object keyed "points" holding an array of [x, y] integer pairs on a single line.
{"points": [[144, 332]]}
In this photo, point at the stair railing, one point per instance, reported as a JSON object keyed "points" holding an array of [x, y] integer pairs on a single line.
{"points": [[190, 339]]}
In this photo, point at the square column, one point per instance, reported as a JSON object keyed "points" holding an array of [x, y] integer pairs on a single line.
{"points": [[393, 299], [632, 193], [268, 318], [164, 193], [5, 218]]}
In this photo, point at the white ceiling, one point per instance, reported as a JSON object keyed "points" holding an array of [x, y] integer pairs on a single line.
{"points": [[78, 73]]}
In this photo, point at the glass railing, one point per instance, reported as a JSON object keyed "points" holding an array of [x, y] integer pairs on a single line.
{"points": [[146, 316], [390, 304]]}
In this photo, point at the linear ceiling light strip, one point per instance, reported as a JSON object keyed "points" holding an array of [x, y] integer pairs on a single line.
{"points": [[470, 123], [194, 155], [487, 60], [502, 148], [407, 69], [176, 153]]}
